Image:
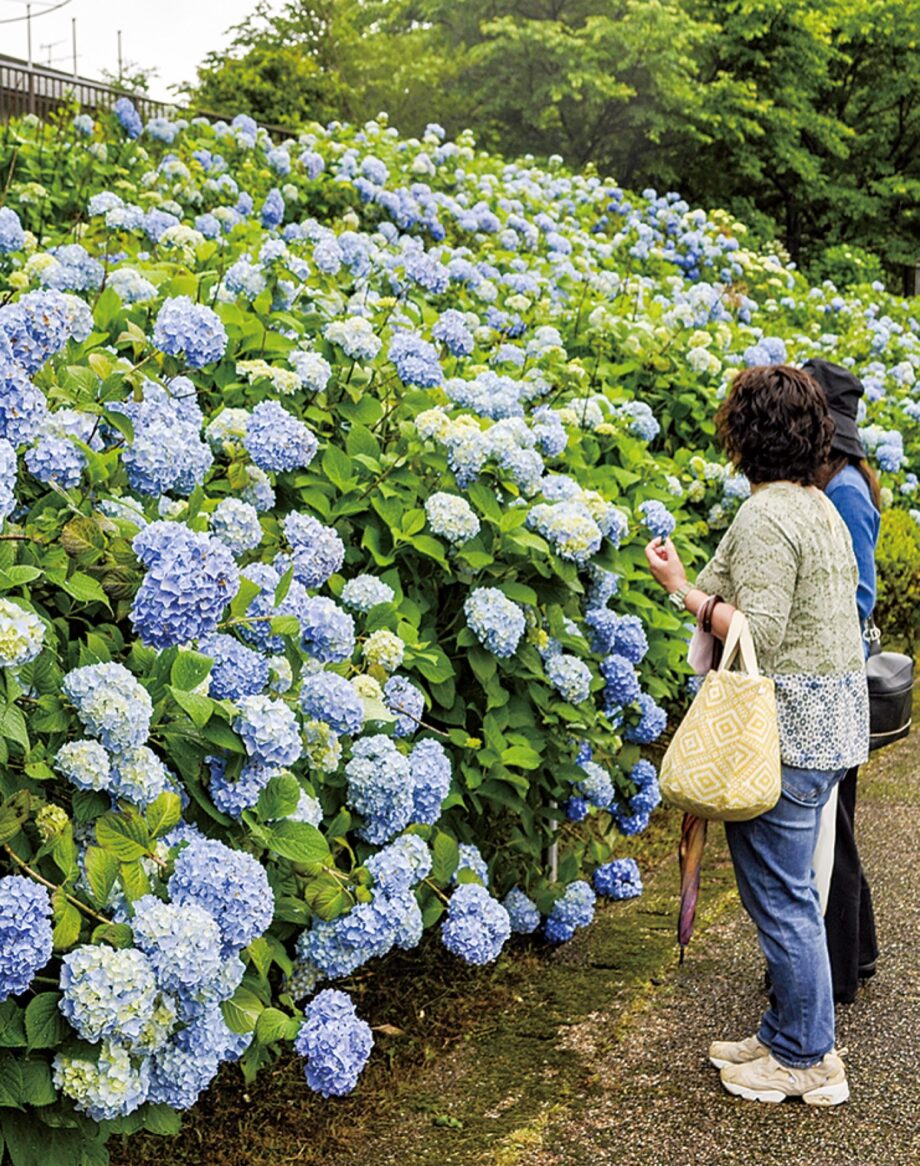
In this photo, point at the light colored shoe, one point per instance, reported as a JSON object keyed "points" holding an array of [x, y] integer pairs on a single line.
{"points": [[765, 1079], [738, 1052]]}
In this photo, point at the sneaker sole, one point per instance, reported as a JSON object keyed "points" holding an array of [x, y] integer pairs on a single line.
{"points": [[827, 1095]]}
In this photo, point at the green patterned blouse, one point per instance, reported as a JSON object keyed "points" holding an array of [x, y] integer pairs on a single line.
{"points": [[787, 562]]}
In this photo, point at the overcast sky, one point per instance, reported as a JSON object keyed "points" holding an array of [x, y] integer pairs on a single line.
{"points": [[172, 35]]}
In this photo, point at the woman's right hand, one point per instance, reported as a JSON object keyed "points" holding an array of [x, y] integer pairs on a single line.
{"points": [[665, 565]]}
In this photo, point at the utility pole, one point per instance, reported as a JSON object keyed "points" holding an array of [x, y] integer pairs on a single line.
{"points": [[29, 32], [119, 56], [73, 42]]}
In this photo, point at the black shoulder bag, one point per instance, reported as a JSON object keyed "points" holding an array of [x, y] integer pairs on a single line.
{"points": [[891, 683]]}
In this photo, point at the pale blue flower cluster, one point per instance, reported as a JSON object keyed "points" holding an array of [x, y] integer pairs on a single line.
{"points": [[417, 362], [237, 671], [269, 730], [12, 236], [190, 579], [477, 926], [138, 775], [652, 724], [380, 788], [632, 818], [619, 879], [25, 933], [317, 550], [130, 119], [328, 632], [326, 696], [365, 591], [111, 704], [231, 885], [401, 865], [522, 912], [108, 992], [431, 774], [192, 331], [452, 517], [657, 518], [84, 764], [622, 684], [575, 909], [406, 702], [108, 1086], [278, 441], [236, 524], [452, 330], [496, 621], [335, 1042], [471, 859]]}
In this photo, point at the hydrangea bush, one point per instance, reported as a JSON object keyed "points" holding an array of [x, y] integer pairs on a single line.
{"points": [[325, 471]]}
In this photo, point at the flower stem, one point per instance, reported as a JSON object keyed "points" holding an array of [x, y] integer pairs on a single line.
{"points": [[32, 873]]}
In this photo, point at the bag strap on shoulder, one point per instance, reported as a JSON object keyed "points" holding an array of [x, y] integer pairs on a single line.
{"points": [[739, 644]]}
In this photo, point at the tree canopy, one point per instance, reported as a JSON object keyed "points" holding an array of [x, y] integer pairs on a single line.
{"points": [[801, 117]]}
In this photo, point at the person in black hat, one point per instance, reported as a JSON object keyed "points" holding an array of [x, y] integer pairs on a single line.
{"points": [[851, 485]]}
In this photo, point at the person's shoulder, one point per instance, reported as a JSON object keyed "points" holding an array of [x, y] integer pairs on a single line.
{"points": [[848, 481]]}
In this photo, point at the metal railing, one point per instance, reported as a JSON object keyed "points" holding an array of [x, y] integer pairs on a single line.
{"points": [[40, 90]]}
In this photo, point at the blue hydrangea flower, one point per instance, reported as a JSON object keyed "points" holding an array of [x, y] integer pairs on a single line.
{"points": [[269, 730], [237, 671], [111, 704], [417, 362], [619, 879], [406, 702], [380, 788], [570, 677], [230, 885], [138, 775], [477, 926], [522, 911], [12, 236], [452, 517], [328, 697], [622, 687], [25, 933], [339, 946], [84, 764], [451, 329], [262, 607], [57, 460], [128, 117], [318, 552], [575, 909], [8, 468], [232, 797], [471, 859], [193, 331], [401, 865], [273, 210], [335, 1042], [182, 944], [657, 518], [107, 1087], [597, 786], [278, 441], [22, 634], [497, 622], [107, 992], [365, 591], [431, 775], [36, 327], [652, 724], [576, 809], [189, 1063], [22, 406], [191, 577], [236, 524], [328, 632]]}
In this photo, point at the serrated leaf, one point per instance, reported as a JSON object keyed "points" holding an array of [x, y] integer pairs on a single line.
{"points": [[272, 1026], [376, 710], [162, 1120], [284, 586], [329, 899], [84, 589], [13, 812], [10, 1081], [199, 708], [12, 1025], [297, 841], [163, 813], [115, 934], [37, 1085], [17, 576], [242, 1010], [284, 625], [122, 422], [445, 857], [125, 835], [279, 798], [522, 757], [67, 923], [13, 726], [44, 1024], [134, 880], [337, 468], [189, 670]]}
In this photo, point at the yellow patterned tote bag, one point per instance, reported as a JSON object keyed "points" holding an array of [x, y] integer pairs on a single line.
{"points": [[723, 762]]}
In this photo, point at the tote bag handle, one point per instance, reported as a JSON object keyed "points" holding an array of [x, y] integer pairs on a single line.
{"points": [[739, 644]]}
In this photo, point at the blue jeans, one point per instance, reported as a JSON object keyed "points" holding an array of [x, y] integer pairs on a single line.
{"points": [[772, 856]]}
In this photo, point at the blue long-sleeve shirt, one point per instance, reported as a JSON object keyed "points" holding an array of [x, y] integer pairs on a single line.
{"points": [[849, 492]]}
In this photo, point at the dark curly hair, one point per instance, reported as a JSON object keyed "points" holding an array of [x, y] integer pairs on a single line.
{"points": [[774, 425]]}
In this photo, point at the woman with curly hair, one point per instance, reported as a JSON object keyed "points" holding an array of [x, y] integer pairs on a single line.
{"points": [[787, 562]]}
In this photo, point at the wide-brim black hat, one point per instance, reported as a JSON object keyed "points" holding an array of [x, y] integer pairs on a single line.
{"points": [[843, 391]]}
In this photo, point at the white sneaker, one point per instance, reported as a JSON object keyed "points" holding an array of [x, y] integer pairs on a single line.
{"points": [[765, 1079], [739, 1052]]}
